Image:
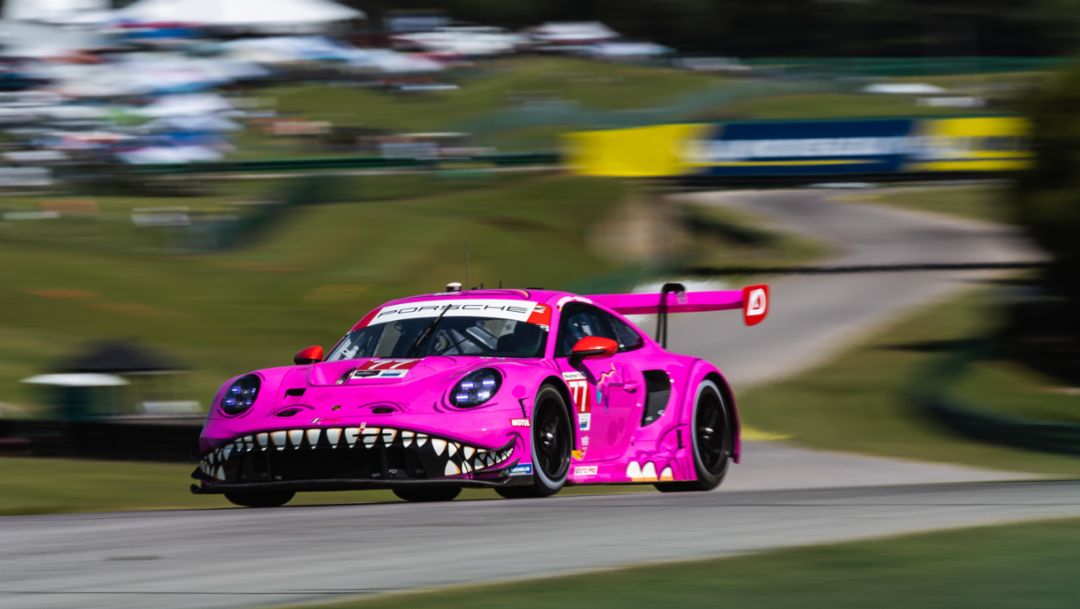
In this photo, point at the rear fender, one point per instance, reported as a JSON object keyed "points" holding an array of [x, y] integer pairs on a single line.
{"points": [[707, 372]]}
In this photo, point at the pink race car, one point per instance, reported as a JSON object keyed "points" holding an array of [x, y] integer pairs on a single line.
{"points": [[524, 391]]}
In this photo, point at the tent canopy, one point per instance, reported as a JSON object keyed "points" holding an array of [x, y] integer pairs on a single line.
{"points": [[76, 380], [51, 10], [240, 13], [29, 39]]}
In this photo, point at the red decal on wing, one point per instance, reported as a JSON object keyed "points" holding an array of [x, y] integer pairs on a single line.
{"points": [[755, 304]]}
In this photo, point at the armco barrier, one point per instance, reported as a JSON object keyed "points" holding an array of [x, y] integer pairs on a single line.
{"points": [[373, 163], [930, 395], [115, 440]]}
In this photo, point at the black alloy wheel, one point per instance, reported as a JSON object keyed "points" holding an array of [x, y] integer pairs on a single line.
{"points": [[713, 441], [552, 443]]}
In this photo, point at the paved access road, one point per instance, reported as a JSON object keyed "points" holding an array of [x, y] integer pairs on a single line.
{"points": [[781, 496], [814, 317]]}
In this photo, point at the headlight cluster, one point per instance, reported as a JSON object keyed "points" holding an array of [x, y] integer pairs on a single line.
{"points": [[476, 388], [240, 395]]}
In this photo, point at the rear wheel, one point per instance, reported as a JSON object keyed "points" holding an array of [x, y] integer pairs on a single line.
{"points": [[259, 499], [552, 441], [422, 494], [713, 436]]}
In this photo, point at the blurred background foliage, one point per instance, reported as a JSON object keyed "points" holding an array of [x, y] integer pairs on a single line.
{"points": [[749, 28]]}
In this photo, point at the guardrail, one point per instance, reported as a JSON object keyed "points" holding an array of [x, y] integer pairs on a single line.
{"points": [[929, 393], [114, 440], [349, 163]]}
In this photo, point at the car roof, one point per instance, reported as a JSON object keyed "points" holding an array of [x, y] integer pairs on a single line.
{"points": [[528, 294]]}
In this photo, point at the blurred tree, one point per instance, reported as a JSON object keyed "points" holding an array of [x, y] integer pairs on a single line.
{"points": [[1046, 199], [796, 27]]}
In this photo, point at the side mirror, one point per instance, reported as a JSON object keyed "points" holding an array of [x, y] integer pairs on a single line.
{"points": [[594, 346], [311, 355]]}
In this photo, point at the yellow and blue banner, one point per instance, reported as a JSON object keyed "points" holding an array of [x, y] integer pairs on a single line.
{"points": [[804, 148]]}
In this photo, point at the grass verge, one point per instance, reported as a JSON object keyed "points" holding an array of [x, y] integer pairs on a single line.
{"points": [[1009, 388], [857, 401], [1017, 566], [725, 238], [976, 201], [310, 274]]}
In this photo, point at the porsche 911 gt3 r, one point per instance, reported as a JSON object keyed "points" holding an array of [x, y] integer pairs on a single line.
{"points": [[523, 391]]}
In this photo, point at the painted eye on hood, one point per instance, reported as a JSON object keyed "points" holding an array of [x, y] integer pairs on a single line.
{"points": [[477, 387], [240, 395]]}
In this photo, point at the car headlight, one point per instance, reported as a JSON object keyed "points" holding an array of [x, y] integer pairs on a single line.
{"points": [[476, 388], [240, 395]]}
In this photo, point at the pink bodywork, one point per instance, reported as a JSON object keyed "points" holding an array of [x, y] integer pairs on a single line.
{"points": [[608, 395]]}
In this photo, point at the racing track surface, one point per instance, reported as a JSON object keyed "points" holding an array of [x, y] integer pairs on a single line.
{"points": [[781, 496]]}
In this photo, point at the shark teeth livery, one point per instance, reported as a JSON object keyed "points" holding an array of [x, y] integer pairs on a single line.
{"points": [[216, 463]]}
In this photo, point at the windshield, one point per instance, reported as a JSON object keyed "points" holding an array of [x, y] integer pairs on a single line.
{"points": [[479, 336]]}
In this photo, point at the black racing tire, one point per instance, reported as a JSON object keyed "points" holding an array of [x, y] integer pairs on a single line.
{"points": [[552, 444], [425, 494], [713, 441], [259, 499]]}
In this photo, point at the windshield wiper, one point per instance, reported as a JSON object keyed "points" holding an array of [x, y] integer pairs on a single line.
{"points": [[425, 334]]}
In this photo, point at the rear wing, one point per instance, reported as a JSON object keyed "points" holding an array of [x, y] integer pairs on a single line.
{"points": [[673, 298]]}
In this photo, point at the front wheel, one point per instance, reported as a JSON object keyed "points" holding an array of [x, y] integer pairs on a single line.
{"points": [[713, 436], [419, 494], [552, 443], [259, 499]]}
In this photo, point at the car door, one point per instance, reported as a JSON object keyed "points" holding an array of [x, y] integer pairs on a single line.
{"points": [[606, 391]]}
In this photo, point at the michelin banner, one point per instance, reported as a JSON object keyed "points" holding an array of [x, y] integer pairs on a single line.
{"points": [[804, 148]]}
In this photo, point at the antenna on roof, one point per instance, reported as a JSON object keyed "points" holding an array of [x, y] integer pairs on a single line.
{"points": [[500, 284], [466, 264]]}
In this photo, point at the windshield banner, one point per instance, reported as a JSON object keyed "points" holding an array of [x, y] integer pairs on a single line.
{"points": [[517, 310]]}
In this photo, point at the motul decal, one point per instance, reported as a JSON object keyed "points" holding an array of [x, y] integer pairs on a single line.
{"points": [[755, 304]]}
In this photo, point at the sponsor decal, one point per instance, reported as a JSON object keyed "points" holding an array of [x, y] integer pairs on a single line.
{"points": [[755, 304], [383, 368], [541, 316], [517, 310], [579, 393], [524, 469], [584, 471], [580, 454], [519, 423]]}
